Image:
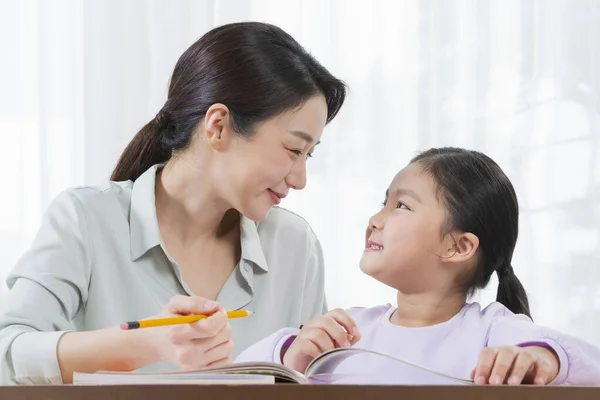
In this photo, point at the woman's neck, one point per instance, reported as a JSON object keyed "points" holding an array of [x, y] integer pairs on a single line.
{"points": [[426, 309], [189, 207]]}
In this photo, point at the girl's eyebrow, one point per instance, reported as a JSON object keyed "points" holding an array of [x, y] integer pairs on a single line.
{"points": [[400, 192]]}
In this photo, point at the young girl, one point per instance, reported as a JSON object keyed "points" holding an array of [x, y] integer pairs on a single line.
{"points": [[448, 222]]}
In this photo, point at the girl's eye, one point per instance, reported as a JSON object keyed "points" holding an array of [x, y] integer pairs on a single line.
{"points": [[401, 205]]}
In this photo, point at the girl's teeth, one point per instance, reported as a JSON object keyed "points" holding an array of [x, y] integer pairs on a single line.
{"points": [[375, 247]]}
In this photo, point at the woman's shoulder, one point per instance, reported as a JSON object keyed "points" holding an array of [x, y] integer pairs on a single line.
{"points": [[91, 196], [81, 202], [286, 224]]}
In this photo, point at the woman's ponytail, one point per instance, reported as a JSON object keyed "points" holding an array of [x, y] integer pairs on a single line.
{"points": [[145, 150]]}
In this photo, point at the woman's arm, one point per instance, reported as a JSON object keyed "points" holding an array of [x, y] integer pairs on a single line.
{"points": [[103, 350], [106, 349], [48, 288]]}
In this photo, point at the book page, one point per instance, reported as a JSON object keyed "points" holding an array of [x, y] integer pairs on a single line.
{"points": [[361, 366], [171, 379], [264, 372]]}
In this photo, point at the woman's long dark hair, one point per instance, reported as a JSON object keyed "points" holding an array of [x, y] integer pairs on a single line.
{"points": [[257, 70]]}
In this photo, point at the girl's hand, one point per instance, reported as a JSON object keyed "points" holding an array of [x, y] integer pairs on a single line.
{"points": [[516, 365], [332, 330]]}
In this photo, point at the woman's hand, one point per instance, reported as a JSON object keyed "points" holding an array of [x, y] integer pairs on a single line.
{"points": [[332, 330], [516, 365], [205, 343]]}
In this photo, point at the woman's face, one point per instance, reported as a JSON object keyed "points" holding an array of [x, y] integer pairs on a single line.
{"points": [[254, 174]]}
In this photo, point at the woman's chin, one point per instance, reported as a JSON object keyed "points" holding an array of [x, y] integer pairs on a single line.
{"points": [[257, 213]]}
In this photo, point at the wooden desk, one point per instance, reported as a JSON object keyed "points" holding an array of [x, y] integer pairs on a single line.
{"points": [[296, 392]]}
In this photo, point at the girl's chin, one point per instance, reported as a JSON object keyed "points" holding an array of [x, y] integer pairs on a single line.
{"points": [[366, 267]]}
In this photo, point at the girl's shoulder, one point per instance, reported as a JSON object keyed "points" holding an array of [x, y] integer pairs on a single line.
{"points": [[369, 314]]}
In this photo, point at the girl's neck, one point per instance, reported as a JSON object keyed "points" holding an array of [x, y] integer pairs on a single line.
{"points": [[426, 309]]}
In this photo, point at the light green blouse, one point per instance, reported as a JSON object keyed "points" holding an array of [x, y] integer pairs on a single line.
{"points": [[99, 260]]}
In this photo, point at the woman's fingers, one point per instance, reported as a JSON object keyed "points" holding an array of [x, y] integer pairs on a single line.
{"points": [[188, 305], [205, 328]]}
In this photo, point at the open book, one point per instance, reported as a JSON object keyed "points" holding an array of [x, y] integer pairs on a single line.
{"points": [[381, 369]]}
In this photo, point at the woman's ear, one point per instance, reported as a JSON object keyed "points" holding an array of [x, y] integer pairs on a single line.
{"points": [[460, 247], [217, 122]]}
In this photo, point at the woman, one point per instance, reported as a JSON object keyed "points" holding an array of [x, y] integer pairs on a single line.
{"points": [[176, 230]]}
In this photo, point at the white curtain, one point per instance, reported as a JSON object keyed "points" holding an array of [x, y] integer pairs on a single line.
{"points": [[519, 80]]}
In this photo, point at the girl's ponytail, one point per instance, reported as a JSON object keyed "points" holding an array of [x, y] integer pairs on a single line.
{"points": [[511, 292]]}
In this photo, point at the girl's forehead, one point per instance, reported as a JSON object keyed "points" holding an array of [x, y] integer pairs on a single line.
{"points": [[412, 175], [413, 178]]}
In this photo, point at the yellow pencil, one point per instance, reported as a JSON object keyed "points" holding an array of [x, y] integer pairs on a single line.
{"points": [[184, 319]]}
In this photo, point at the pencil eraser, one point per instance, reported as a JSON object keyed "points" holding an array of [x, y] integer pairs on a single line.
{"points": [[124, 326]]}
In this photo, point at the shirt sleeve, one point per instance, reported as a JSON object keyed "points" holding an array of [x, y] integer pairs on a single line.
{"points": [[47, 288], [314, 302], [579, 361], [268, 349]]}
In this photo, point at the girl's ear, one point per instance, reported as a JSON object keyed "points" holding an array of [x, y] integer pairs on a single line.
{"points": [[460, 247]]}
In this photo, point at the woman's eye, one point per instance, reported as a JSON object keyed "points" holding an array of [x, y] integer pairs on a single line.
{"points": [[298, 153]]}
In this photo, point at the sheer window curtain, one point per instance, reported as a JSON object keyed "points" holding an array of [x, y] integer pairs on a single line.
{"points": [[518, 80]]}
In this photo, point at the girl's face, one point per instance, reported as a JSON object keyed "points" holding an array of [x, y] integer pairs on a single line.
{"points": [[406, 247]]}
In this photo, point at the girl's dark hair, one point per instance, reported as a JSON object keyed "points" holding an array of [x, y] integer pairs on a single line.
{"points": [[257, 70], [480, 199]]}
